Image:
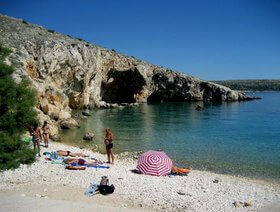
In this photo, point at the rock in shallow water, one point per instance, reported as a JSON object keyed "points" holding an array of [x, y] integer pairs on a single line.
{"points": [[68, 124], [86, 113], [88, 136]]}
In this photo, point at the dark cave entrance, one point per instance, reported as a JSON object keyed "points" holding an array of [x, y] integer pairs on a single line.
{"points": [[121, 86]]}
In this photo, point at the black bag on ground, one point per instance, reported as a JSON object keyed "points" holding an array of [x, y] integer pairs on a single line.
{"points": [[106, 189]]}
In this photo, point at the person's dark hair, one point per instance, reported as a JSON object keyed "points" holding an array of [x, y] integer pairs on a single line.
{"points": [[30, 129]]}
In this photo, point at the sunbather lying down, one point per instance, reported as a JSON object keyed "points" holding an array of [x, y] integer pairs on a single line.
{"points": [[72, 154], [180, 171], [79, 161]]}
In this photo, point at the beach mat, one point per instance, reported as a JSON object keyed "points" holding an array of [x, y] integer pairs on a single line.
{"points": [[97, 166], [90, 165]]}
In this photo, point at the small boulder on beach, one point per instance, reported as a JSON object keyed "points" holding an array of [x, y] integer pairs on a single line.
{"points": [[238, 204], [217, 180]]}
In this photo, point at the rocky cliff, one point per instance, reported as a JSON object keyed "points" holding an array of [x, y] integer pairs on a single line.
{"points": [[71, 73]]}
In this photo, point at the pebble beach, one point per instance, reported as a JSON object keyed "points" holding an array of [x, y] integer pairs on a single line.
{"points": [[44, 183]]}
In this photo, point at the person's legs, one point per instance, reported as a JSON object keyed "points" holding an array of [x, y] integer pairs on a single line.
{"points": [[34, 145], [108, 154], [47, 140], [112, 155], [38, 146]]}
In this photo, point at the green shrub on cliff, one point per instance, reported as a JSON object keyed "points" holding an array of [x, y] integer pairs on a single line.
{"points": [[17, 113]]}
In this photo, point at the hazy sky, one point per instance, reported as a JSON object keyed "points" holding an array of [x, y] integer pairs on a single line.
{"points": [[210, 39]]}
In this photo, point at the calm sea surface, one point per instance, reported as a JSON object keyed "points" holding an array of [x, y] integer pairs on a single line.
{"points": [[240, 138]]}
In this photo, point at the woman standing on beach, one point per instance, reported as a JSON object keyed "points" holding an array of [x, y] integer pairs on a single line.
{"points": [[36, 137], [45, 130], [108, 140]]}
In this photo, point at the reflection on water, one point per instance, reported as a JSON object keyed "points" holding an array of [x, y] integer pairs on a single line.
{"points": [[239, 138]]}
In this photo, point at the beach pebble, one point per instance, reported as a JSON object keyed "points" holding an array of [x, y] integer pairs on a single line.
{"points": [[247, 204], [22, 195], [124, 205], [45, 190], [238, 204], [181, 193], [217, 180]]}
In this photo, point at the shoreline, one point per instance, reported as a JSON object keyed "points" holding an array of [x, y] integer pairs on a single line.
{"points": [[199, 191], [132, 154]]}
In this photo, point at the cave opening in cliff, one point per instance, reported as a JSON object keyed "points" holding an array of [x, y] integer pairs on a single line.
{"points": [[122, 86]]}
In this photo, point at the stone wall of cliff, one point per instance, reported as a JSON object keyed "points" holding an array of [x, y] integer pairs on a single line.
{"points": [[71, 73]]}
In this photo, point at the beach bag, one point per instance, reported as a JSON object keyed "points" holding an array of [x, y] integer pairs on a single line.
{"points": [[104, 187]]}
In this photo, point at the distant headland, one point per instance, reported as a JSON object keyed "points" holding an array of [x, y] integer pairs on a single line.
{"points": [[251, 84]]}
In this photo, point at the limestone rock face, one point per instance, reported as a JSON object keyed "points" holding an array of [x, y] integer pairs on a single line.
{"points": [[70, 73], [68, 123]]}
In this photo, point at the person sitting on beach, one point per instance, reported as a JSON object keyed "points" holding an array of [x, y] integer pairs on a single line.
{"points": [[79, 161], [72, 154], [45, 129], [36, 137], [108, 140]]}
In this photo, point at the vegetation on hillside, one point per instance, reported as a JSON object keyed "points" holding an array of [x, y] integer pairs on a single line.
{"points": [[17, 113], [251, 85]]}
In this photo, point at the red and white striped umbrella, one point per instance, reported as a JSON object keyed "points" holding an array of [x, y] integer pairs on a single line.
{"points": [[155, 163]]}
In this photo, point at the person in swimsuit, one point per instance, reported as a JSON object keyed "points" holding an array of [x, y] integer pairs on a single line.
{"points": [[36, 137], [108, 140], [72, 154], [45, 129], [79, 161]]}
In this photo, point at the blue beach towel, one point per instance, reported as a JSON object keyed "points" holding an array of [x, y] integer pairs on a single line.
{"points": [[91, 190], [90, 165], [97, 166], [54, 156], [57, 162]]}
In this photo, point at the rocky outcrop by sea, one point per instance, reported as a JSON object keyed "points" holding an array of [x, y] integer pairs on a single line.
{"points": [[70, 73]]}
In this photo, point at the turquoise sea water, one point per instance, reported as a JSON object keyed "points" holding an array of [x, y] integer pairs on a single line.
{"points": [[239, 138]]}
